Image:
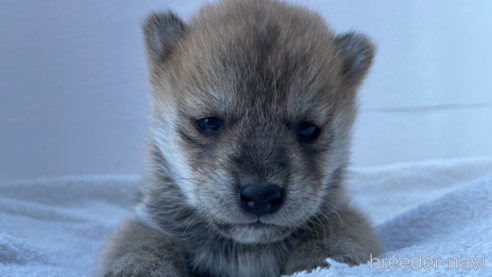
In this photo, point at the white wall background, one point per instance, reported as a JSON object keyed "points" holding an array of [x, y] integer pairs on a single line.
{"points": [[73, 82]]}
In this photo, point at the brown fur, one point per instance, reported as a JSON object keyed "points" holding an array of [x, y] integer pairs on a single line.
{"points": [[263, 67]]}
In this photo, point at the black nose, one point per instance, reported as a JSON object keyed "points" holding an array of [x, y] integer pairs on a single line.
{"points": [[260, 200]]}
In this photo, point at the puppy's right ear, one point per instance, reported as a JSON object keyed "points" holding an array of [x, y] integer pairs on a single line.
{"points": [[162, 30]]}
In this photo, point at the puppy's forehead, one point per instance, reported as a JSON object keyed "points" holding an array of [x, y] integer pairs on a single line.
{"points": [[233, 62]]}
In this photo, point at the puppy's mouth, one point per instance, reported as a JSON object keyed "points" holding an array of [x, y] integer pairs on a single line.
{"points": [[253, 232], [258, 224]]}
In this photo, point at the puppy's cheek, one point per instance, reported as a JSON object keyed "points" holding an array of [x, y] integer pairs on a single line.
{"points": [[216, 193], [301, 205], [216, 202]]}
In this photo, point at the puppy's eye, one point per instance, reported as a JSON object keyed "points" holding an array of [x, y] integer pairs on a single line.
{"points": [[208, 125], [307, 132]]}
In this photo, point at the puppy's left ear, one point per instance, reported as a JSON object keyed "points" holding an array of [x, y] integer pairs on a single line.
{"points": [[358, 52], [162, 30]]}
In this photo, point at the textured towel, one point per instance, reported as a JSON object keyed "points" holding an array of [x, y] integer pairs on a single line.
{"points": [[440, 209]]}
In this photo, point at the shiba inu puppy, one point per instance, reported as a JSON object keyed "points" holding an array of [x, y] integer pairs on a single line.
{"points": [[252, 109]]}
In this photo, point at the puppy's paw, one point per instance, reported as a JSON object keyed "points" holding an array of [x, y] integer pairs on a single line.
{"points": [[298, 262], [137, 250], [350, 258], [131, 266]]}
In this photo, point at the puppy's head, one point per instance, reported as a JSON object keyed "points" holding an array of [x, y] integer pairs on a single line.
{"points": [[253, 106]]}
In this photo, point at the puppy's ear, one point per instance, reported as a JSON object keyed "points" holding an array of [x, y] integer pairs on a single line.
{"points": [[162, 30], [358, 52]]}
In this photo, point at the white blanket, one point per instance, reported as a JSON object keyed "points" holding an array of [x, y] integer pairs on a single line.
{"points": [[435, 210]]}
